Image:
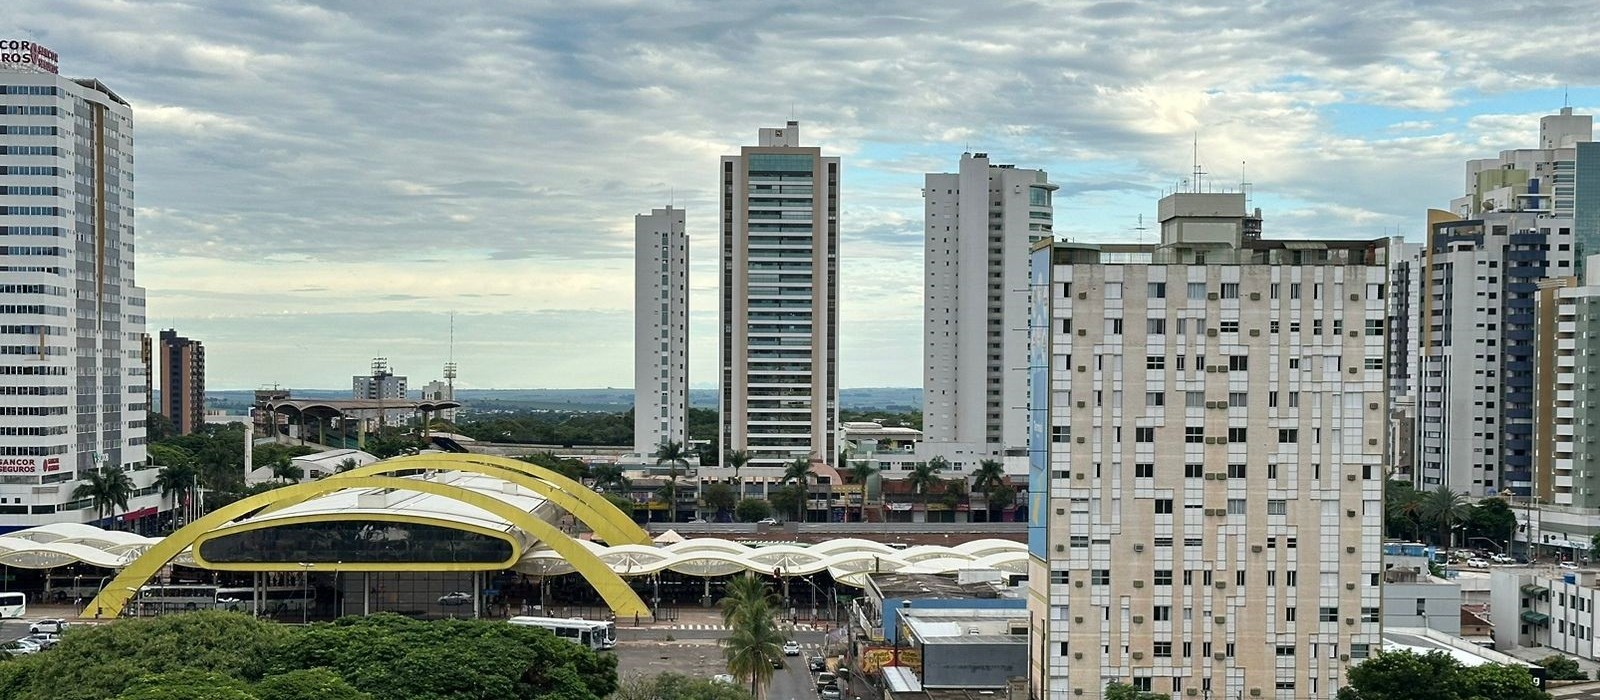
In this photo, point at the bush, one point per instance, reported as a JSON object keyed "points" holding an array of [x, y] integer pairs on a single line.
{"points": [[1561, 668], [752, 510]]}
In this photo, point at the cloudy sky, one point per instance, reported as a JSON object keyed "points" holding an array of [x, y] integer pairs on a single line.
{"points": [[324, 182]]}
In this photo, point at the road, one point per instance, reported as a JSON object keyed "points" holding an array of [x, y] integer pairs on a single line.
{"points": [[694, 651], [13, 629]]}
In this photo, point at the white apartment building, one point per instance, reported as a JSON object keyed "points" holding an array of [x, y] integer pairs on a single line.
{"points": [[975, 317], [1405, 302], [1545, 607], [1206, 459], [780, 301], [660, 330], [72, 375]]}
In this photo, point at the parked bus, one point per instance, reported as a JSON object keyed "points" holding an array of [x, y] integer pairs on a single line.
{"points": [[593, 634], [13, 606], [277, 599], [171, 598]]}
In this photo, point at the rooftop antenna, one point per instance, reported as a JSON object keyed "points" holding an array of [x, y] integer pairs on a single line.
{"points": [[1198, 173], [1244, 184], [1565, 102], [1140, 228], [672, 198]]}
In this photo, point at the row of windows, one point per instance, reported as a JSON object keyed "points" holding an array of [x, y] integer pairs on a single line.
{"points": [[32, 211], [34, 190], [28, 90], [35, 431], [30, 249], [1158, 326], [34, 370], [33, 289], [33, 391], [33, 410], [32, 308], [1226, 290], [32, 451], [50, 170], [32, 231], [34, 110], [29, 151], [28, 130], [31, 350], [33, 268]]}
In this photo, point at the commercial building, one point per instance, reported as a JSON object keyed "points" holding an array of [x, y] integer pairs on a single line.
{"points": [[1482, 264], [1206, 466], [72, 384], [780, 300], [980, 224], [183, 382], [973, 649], [660, 330], [443, 390], [383, 383], [1545, 607]]}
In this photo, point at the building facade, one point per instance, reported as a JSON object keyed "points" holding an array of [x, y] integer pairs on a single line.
{"points": [[660, 330], [1206, 476], [780, 300], [979, 223], [183, 382], [383, 383], [72, 383]]}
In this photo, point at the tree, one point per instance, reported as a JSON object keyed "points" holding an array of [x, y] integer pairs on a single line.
{"points": [[1002, 497], [346, 464], [755, 642], [1561, 668], [1406, 675], [107, 489], [622, 503], [569, 467], [789, 500], [721, 497], [860, 473], [609, 477], [1122, 691], [925, 478], [752, 510], [1492, 519], [1444, 509], [308, 684], [286, 470], [177, 481], [990, 475], [673, 455], [674, 686], [800, 472], [188, 684], [737, 459], [1402, 510]]}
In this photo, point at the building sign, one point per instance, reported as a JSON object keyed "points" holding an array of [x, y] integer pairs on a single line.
{"points": [[29, 465], [26, 55]]}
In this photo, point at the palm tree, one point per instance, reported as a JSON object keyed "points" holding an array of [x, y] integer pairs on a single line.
{"points": [[737, 459], [107, 488], [346, 464], [755, 642], [860, 472], [991, 474], [800, 471], [608, 476], [924, 477], [673, 454], [286, 470], [1404, 503], [177, 481], [1445, 508]]}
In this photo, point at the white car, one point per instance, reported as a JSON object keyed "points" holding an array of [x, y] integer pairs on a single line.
{"points": [[1571, 566], [19, 647], [54, 626], [455, 598], [43, 641], [1477, 563], [767, 521], [791, 648], [1502, 559], [723, 678]]}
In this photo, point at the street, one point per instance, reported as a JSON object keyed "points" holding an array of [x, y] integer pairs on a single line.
{"points": [[695, 652]]}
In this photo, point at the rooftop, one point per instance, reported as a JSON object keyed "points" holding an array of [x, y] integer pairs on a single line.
{"points": [[928, 586]]}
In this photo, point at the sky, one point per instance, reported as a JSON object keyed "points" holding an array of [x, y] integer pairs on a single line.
{"points": [[321, 183]]}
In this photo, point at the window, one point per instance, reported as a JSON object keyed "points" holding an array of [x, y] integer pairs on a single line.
{"points": [[1372, 363], [1161, 613], [1338, 326], [1288, 435], [1277, 506], [1238, 399], [1163, 577], [1113, 326], [1360, 651], [1236, 506], [1230, 290], [1238, 363], [1194, 471], [1228, 327], [1236, 471], [1163, 506], [1272, 399], [1328, 614], [1288, 614], [1079, 541], [1066, 325], [1060, 433], [1197, 290], [1371, 614], [1144, 470], [1194, 399], [1374, 326], [1294, 399], [1273, 290], [1100, 577], [1155, 398], [1294, 290], [1238, 578], [1113, 290], [1294, 327], [1155, 326], [1155, 362], [1157, 290], [1285, 650], [1316, 326], [1144, 434], [1194, 434], [1274, 327], [1161, 650], [1237, 435]]}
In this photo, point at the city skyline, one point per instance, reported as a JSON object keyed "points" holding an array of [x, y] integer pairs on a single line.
{"points": [[253, 227]]}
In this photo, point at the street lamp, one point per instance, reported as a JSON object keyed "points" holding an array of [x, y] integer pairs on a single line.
{"points": [[305, 591]]}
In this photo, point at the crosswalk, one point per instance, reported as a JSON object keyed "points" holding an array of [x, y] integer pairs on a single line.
{"points": [[718, 627], [806, 650]]}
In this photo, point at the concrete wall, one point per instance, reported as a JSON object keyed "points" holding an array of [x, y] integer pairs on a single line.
{"points": [[977, 665]]}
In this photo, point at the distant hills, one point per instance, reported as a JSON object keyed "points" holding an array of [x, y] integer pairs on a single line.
{"points": [[599, 400]]}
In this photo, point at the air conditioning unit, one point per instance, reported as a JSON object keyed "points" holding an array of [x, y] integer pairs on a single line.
{"points": [[1350, 549], [1255, 548], [1255, 296], [1211, 332], [1138, 619], [1350, 477], [1255, 332], [1138, 548], [1138, 655], [1211, 296], [1138, 584]]}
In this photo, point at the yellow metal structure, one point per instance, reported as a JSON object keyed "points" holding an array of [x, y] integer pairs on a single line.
{"points": [[616, 592], [606, 520], [337, 565]]}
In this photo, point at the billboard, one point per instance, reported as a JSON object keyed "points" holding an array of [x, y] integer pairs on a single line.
{"points": [[26, 55], [29, 465]]}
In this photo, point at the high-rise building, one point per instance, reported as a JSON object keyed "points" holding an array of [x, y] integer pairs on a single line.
{"points": [[780, 300], [979, 226], [1405, 302], [1206, 443], [71, 389], [183, 382], [443, 390], [383, 383], [660, 330]]}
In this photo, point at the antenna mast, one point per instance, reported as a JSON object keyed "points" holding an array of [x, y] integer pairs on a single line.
{"points": [[1198, 173]]}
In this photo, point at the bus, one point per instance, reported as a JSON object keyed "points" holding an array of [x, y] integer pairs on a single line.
{"points": [[593, 634], [178, 597], [277, 599], [13, 606]]}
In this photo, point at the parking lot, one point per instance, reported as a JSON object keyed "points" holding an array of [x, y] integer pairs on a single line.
{"points": [[701, 657]]}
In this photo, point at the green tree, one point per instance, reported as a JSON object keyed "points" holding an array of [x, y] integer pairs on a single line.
{"points": [[800, 472], [1561, 668], [1491, 519], [673, 455], [609, 477], [158, 428], [107, 489], [721, 497], [752, 510], [1402, 510], [569, 467], [1444, 509], [308, 684], [789, 500], [861, 472], [177, 480], [286, 470], [737, 459], [622, 503], [1406, 675], [188, 684], [673, 686], [346, 464], [754, 642], [1123, 691], [989, 475], [925, 478]]}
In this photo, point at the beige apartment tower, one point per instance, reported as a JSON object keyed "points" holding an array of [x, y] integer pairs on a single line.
{"points": [[1206, 440], [780, 300]]}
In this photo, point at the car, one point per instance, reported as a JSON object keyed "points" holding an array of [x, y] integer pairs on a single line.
{"points": [[1571, 566], [43, 641], [1502, 559], [830, 692], [1477, 563], [723, 678], [817, 663], [778, 662], [791, 648], [455, 598], [826, 679], [51, 626], [767, 521], [19, 647]]}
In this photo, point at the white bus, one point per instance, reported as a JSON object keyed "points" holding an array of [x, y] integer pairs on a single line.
{"points": [[278, 599], [178, 597], [593, 634], [13, 606]]}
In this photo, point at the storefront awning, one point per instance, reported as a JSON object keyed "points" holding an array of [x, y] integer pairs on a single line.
{"points": [[1535, 618], [1535, 590]]}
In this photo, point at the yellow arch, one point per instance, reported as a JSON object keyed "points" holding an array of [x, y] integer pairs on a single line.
{"points": [[258, 523], [608, 521], [620, 521], [616, 592]]}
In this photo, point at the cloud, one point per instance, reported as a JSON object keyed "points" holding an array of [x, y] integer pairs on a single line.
{"points": [[323, 161]]}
